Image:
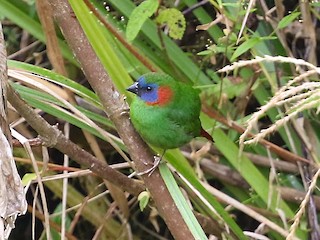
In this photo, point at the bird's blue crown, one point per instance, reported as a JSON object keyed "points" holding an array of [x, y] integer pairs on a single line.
{"points": [[148, 92]]}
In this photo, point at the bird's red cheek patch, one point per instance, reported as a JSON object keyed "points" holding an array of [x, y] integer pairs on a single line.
{"points": [[165, 95]]}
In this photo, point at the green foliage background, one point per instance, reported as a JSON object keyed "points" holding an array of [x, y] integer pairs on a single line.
{"points": [[193, 56]]}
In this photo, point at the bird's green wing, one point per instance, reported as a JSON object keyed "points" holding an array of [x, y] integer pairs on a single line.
{"points": [[186, 110]]}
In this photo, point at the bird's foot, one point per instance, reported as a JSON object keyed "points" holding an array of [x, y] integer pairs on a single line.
{"points": [[125, 111], [149, 171]]}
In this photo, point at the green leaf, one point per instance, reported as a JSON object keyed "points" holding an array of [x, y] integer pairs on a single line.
{"points": [[315, 4], [249, 171], [100, 39], [143, 199], [175, 20], [56, 78], [188, 70], [58, 220], [27, 178], [204, 53], [138, 16], [288, 19], [181, 203], [53, 106], [177, 160], [245, 47]]}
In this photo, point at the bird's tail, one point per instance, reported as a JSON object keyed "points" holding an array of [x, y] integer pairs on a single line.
{"points": [[205, 134]]}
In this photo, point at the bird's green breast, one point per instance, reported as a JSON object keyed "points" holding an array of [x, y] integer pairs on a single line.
{"points": [[172, 125]]}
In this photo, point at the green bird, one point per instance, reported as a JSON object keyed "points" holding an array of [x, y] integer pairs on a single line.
{"points": [[165, 112]]}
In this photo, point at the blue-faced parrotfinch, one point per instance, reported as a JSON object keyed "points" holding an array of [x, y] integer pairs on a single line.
{"points": [[165, 112]]}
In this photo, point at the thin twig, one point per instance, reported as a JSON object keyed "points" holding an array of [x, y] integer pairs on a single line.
{"points": [[28, 149], [64, 186], [245, 19]]}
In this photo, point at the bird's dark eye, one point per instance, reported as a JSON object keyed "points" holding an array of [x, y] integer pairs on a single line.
{"points": [[149, 89]]}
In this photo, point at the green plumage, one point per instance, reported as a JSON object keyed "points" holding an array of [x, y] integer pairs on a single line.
{"points": [[168, 125]]}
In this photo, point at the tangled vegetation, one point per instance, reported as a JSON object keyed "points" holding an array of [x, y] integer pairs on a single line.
{"points": [[255, 63]]}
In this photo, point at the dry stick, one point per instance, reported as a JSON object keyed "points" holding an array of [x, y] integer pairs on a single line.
{"points": [[23, 50], [64, 186], [115, 107], [57, 167], [245, 19], [284, 154], [41, 190], [54, 138]]}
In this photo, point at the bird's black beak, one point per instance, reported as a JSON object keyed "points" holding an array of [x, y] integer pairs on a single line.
{"points": [[134, 88]]}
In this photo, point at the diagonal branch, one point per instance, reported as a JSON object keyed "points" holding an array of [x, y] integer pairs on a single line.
{"points": [[115, 107]]}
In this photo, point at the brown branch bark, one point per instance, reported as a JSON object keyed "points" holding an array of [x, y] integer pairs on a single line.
{"points": [[114, 107], [4, 125]]}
